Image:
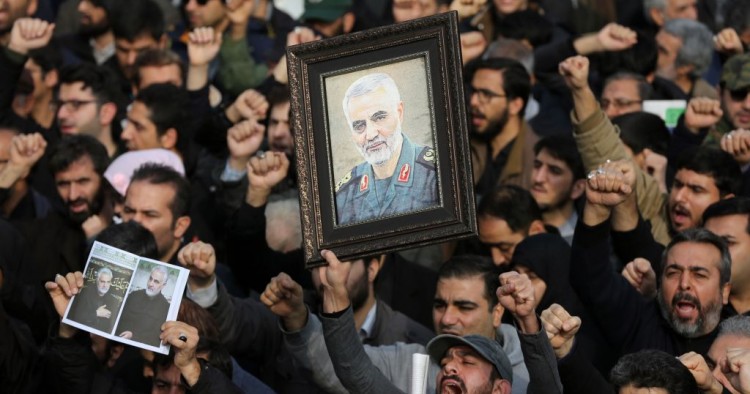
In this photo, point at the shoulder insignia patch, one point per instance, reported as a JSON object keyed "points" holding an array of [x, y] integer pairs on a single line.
{"points": [[427, 157], [343, 181]]}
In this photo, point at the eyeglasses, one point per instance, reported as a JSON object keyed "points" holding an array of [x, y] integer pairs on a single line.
{"points": [[739, 94], [618, 103], [73, 104], [484, 96]]}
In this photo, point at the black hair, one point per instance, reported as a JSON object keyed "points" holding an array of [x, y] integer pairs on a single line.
{"points": [[645, 90], [516, 80], [101, 81], [132, 237], [513, 204], [715, 163], [728, 207], [563, 147], [160, 174], [469, 266], [526, 25], [75, 147], [641, 58], [158, 58], [641, 130], [48, 57], [167, 106], [135, 18], [653, 369]]}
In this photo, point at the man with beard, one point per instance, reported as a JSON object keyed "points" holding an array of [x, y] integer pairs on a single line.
{"points": [[502, 141], [94, 42], [397, 175], [95, 306], [470, 364], [695, 272], [557, 181], [145, 310]]}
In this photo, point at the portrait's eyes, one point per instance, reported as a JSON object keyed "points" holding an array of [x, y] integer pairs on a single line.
{"points": [[379, 116], [359, 126]]}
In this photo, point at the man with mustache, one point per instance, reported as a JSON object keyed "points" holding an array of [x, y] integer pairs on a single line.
{"points": [[145, 310], [96, 306], [502, 141], [695, 272], [470, 364], [397, 176]]}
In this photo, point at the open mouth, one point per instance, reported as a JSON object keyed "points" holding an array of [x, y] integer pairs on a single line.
{"points": [[450, 385], [680, 215]]}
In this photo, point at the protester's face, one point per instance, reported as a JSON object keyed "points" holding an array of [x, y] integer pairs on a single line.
{"points": [[208, 15], [140, 132], [495, 234], [733, 228], [690, 296], [736, 107], [668, 47], [78, 111], [279, 132], [691, 194], [681, 9], [103, 282], [375, 122], [127, 52], [489, 104], [506, 7], [93, 18], [717, 356], [151, 75], [148, 204], [460, 308], [621, 97], [167, 381], [10, 10], [551, 181], [463, 370], [406, 10], [37, 76], [156, 282], [78, 186]]}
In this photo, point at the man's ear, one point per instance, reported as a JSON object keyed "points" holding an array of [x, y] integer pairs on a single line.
{"points": [[107, 113], [725, 292], [537, 227], [181, 226], [579, 187], [497, 315], [374, 268], [31, 8], [501, 386], [515, 105], [657, 16], [163, 41], [168, 140], [349, 20], [51, 78]]}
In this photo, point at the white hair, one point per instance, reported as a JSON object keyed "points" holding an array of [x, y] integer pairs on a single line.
{"points": [[368, 84]]}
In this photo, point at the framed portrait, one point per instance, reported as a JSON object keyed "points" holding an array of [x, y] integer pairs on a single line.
{"points": [[381, 139]]}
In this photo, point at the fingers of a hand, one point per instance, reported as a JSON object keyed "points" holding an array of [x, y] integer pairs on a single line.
{"points": [[73, 282], [330, 258], [571, 325]]}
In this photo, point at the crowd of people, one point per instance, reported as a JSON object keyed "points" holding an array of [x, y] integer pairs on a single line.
{"points": [[612, 255]]}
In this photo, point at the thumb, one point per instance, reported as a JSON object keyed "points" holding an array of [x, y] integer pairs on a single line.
{"points": [[642, 265]]}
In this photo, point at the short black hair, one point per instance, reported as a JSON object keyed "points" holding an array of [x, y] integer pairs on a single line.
{"points": [[563, 147], [168, 108], [75, 147], [516, 80], [158, 58], [160, 174], [653, 369], [101, 80], [132, 237], [728, 207], [526, 25], [641, 130], [513, 204], [641, 58], [469, 266], [715, 163], [135, 18], [48, 57]]}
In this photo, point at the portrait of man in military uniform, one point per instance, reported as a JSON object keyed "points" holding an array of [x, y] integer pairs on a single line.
{"points": [[397, 175]]}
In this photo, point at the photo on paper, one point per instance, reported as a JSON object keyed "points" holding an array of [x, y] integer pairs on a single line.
{"points": [[127, 298]]}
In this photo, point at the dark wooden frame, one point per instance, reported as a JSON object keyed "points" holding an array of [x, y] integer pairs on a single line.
{"points": [[437, 39]]}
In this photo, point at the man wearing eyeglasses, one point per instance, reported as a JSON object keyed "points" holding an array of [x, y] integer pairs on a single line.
{"points": [[502, 141], [624, 93]]}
